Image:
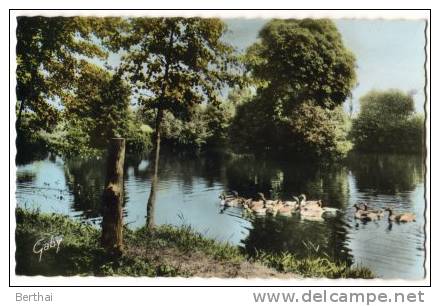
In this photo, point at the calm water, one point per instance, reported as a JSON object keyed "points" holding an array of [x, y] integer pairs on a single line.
{"points": [[189, 186]]}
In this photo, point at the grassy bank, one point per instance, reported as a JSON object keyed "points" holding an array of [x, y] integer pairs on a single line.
{"points": [[164, 251]]}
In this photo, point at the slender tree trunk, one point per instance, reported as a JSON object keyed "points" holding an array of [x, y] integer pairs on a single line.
{"points": [[19, 115], [111, 238], [159, 116], [152, 198]]}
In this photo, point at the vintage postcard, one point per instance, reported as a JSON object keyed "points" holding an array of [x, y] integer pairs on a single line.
{"points": [[186, 145]]}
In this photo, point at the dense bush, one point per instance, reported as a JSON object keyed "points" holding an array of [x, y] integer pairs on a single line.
{"points": [[308, 130], [387, 123], [29, 141], [138, 135], [318, 131], [203, 127]]}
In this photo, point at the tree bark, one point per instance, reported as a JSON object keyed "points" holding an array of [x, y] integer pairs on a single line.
{"points": [[159, 116], [111, 238], [19, 115], [152, 198]]}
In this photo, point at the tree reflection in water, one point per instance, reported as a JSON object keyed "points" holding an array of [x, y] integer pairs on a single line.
{"points": [[190, 184]]}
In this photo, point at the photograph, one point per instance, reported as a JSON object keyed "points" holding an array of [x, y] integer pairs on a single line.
{"points": [[181, 145]]}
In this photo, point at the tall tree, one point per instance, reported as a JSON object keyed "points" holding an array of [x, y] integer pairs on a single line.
{"points": [[387, 121], [50, 52], [304, 74], [303, 60], [176, 63]]}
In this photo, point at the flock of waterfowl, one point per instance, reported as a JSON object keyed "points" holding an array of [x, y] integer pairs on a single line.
{"points": [[364, 213], [310, 210]]}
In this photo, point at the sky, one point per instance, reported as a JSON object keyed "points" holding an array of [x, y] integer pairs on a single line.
{"points": [[389, 53]]}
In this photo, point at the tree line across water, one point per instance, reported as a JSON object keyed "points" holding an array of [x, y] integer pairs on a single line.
{"points": [[169, 85], [178, 82]]}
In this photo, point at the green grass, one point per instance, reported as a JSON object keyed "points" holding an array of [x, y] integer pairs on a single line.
{"points": [[79, 254], [163, 251], [186, 239], [312, 266]]}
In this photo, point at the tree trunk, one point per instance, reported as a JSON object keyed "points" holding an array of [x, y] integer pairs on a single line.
{"points": [[159, 116], [152, 198], [19, 115], [111, 238]]}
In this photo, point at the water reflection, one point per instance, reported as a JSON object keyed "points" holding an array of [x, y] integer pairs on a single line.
{"points": [[85, 181], [154, 181], [386, 173], [188, 190], [282, 234]]}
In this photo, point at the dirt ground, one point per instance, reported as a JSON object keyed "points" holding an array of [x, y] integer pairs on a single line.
{"points": [[198, 264]]}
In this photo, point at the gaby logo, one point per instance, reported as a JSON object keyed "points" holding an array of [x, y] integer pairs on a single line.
{"points": [[42, 245]]}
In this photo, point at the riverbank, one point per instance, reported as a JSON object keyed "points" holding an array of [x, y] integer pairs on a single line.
{"points": [[73, 249]]}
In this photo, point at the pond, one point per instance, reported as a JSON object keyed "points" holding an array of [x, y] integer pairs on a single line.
{"points": [[189, 186]]}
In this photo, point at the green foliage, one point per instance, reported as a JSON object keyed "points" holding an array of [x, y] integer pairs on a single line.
{"points": [[302, 60], [95, 112], [29, 143], [316, 130], [138, 135], [50, 53], [305, 74], [253, 127], [70, 138], [308, 130], [204, 127], [239, 95], [101, 105], [75, 106], [177, 62], [177, 67], [387, 123], [218, 120], [312, 266], [192, 132]]}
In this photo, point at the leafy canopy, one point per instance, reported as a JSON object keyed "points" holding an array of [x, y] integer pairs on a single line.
{"points": [[387, 122], [303, 60], [305, 74], [310, 131], [93, 113], [50, 56], [176, 63]]}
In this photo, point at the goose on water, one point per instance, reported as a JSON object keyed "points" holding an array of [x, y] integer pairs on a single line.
{"points": [[304, 203], [364, 215], [402, 217], [379, 212]]}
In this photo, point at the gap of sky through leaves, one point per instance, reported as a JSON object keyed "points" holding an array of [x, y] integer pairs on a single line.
{"points": [[389, 53]]}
